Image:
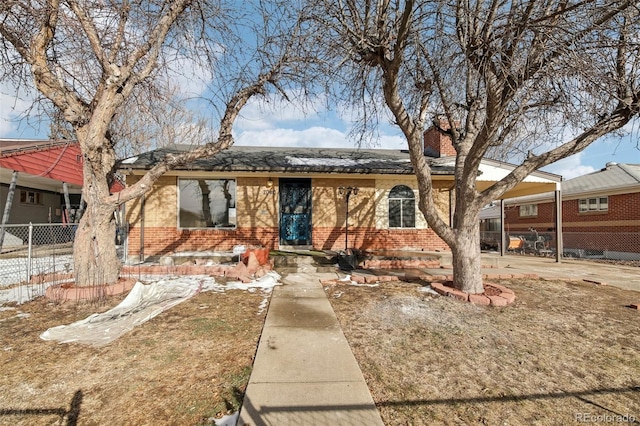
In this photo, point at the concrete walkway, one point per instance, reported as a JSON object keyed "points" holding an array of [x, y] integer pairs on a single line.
{"points": [[304, 372], [625, 277]]}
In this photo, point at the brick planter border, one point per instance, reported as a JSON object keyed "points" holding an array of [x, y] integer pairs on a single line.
{"points": [[504, 298]]}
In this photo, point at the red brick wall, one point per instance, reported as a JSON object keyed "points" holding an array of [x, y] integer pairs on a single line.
{"points": [[437, 143], [159, 241], [544, 220], [616, 229], [623, 216], [622, 208], [377, 239]]}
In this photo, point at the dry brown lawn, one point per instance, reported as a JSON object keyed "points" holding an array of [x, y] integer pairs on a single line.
{"points": [[185, 366], [564, 353]]}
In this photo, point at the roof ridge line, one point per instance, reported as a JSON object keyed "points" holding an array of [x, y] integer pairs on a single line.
{"points": [[623, 166]]}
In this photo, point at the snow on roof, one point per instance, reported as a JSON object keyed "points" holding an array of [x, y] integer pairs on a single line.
{"points": [[333, 162]]}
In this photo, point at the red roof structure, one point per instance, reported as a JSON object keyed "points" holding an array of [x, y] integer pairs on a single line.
{"points": [[59, 160]]}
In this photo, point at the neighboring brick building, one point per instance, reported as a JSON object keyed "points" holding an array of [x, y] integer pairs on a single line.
{"points": [[293, 198], [600, 213]]}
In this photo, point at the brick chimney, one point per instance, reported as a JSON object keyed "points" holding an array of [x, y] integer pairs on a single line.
{"points": [[437, 144]]}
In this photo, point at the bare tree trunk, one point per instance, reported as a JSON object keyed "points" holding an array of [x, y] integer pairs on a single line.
{"points": [[467, 272], [95, 257], [94, 253], [206, 209]]}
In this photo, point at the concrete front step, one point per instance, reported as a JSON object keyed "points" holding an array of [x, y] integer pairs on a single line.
{"points": [[310, 269], [290, 263]]}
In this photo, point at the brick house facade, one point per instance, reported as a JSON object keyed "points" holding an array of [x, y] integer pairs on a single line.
{"points": [[258, 218], [600, 213], [294, 198]]}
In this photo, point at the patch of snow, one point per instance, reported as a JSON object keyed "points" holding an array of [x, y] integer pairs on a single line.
{"points": [[411, 310], [263, 305], [334, 162], [345, 279], [355, 284], [14, 270], [338, 294], [428, 289], [230, 420], [270, 280], [17, 315], [23, 293], [129, 160]]}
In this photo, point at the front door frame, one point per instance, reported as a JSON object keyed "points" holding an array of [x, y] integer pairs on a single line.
{"points": [[299, 217]]}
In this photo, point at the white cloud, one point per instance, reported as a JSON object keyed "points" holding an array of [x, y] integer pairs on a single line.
{"points": [[570, 167], [318, 137], [312, 137], [261, 114], [393, 142], [11, 107], [190, 78]]}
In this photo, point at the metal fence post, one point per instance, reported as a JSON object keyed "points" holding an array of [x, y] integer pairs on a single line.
{"points": [[29, 258]]}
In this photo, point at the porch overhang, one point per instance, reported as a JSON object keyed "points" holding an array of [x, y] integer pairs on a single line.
{"points": [[523, 188]]}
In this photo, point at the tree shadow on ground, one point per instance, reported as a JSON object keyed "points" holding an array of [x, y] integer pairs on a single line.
{"points": [[581, 395], [71, 415]]}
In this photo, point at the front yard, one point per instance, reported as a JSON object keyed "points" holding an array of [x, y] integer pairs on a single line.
{"points": [[563, 353], [185, 366]]}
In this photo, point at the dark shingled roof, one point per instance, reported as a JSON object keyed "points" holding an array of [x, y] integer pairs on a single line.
{"points": [[296, 160]]}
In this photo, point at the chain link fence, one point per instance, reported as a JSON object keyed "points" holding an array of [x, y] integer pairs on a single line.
{"points": [[621, 246], [613, 246], [34, 256]]}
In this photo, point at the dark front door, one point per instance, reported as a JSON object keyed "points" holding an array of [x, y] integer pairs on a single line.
{"points": [[295, 212]]}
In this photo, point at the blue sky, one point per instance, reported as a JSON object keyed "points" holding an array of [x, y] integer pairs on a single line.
{"points": [[286, 125]]}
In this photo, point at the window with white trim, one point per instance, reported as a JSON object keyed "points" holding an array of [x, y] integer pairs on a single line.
{"points": [[596, 204], [30, 197], [528, 210], [402, 207], [207, 203]]}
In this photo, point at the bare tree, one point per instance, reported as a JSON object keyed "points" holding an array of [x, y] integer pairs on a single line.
{"points": [[534, 80], [96, 61]]}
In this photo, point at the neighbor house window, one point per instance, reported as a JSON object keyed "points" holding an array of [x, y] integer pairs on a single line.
{"points": [[207, 203], [402, 207], [30, 197], [528, 210], [597, 204]]}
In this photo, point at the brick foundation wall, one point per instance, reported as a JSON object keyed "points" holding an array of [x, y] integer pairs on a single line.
{"points": [[377, 239], [163, 240]]}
